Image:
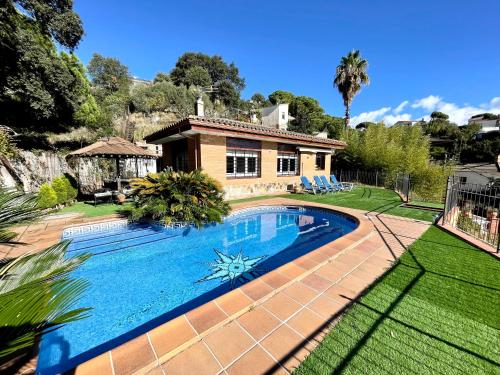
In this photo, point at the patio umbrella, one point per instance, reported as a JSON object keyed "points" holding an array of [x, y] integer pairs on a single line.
{"points": [[114, 148]]}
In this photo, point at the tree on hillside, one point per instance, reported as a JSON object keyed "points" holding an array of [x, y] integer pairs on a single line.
{"points": [[220, 73], [162, 77], [308, 115], [280, 97], [350, 75], [436, 115], [39, 88], [197, 76], [259, 100], [364, 125], [108, 74]]}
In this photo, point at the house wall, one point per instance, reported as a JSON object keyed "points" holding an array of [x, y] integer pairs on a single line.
{"points": [[213, 161]]}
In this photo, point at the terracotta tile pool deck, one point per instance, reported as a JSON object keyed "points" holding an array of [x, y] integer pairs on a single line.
{"points": [[270, 324]]}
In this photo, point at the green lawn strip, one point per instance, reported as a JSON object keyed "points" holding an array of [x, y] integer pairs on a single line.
{"points": [[369, 199], [435, 311], [89, 210], [427, 204], [250, 199]]}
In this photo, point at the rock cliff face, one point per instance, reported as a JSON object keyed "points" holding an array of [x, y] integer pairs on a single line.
{"points": [[29, 171]]}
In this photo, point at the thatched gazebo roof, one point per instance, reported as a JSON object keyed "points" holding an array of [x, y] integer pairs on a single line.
{"points": [[112, 148]]}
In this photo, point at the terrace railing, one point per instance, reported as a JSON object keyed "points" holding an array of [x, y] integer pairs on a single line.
{"points": [[473, 209]]}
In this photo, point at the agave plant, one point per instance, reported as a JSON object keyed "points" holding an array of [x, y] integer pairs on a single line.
{"points": [[36, 290], [178, 196]]}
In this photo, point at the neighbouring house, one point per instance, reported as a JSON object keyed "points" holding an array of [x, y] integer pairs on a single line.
{"points": [[479, 173], [406, 122], [245, 158], [276, 116], [488, 122]]}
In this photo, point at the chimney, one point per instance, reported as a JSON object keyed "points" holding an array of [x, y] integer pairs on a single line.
{"points": [[200, 111]]}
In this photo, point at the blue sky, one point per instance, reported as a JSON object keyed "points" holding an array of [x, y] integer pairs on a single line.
{"points": [[431, 55]]}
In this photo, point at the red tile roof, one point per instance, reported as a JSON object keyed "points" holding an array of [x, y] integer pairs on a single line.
{"points": [[244, 127]]}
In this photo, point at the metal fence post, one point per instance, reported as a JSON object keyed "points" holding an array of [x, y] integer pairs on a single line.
{"points": [[376, 178]]}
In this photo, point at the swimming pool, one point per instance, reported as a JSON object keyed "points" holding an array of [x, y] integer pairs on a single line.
{"points": [[142, 275]]}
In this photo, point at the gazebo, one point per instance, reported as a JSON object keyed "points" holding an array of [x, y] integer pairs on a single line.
{"points": [[114, 148]]}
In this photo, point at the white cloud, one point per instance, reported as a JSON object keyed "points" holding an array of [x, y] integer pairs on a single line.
{"points": [[422, 108], [429, 103], [400, 107], [370, 116], [392, 119]]}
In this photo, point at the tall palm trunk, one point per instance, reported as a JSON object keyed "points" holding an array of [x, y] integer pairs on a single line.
{"points": [[347, 115]]}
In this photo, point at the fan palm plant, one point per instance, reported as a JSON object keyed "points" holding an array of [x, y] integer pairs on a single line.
{"points": [[36, 290], [184, 196], [350, 75]]}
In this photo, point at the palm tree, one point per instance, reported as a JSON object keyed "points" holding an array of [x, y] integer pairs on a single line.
{"points": [[36, 290], [349, 76]]}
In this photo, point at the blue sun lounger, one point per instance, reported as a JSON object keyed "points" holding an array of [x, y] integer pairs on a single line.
{"points": [[328, 185], [309, 187], [344, 186], [324, 187]]}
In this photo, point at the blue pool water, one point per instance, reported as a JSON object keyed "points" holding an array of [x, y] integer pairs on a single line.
{"points": [[143, 275]]}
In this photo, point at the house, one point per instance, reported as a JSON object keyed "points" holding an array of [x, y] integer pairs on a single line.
{"points": [[479, 173], [245, 158], [276, 116], [406, 122], [488, 122]]}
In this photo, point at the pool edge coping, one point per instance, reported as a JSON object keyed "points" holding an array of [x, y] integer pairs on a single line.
{"points": [[316, 259]]}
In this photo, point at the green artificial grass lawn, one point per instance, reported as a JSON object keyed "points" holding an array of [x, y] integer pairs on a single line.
{"points": [[427, 204], [250, 199], [437, 311], [88, 209], [370, 199]]}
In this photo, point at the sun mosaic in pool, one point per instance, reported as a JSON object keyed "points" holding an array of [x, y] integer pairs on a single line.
{"points": [[236, 269]]}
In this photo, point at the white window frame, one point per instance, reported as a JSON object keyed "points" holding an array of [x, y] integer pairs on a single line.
{"points": [[247, 155], [288, 156]]}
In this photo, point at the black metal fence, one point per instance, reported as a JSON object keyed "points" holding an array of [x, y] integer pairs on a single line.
{"points": [[473, 209], [404, 184], [372, 178]]}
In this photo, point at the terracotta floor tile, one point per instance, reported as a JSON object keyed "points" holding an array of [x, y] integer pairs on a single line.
{"points": [[291, 270], [316, 282], [330, 272], [326, 306], [255, 362], [156, 371], [354, 283], [307, 323], [319, 255], [256, 289], [275, 279], [258, 322], [306, 263], [341, 293], [98, 365], [234, 301], [171, 335], [228, 342], [300, 292], [282, 306], [286, 346], [205, 317], [132, 356], [195, 360]]}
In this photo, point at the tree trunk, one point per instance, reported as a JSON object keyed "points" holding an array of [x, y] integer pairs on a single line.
{"points": [[347, 116]]}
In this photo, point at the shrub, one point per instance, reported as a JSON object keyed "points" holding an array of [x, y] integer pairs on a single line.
{"points": [[187, 197], [60, 188], [47, 197], [64, 190]]}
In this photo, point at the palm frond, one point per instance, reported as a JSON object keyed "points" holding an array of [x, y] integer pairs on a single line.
{"points": [[37, 293]]}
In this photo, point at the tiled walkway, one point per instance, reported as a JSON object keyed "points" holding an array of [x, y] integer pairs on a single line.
{"points": [[268, 325]]}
